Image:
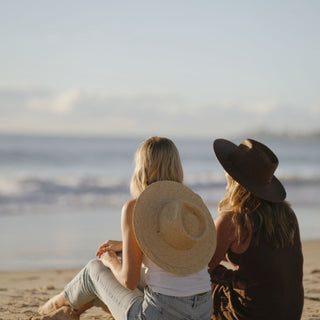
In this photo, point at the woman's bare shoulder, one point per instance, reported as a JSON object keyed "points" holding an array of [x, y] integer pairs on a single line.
{"points": [[127, 210], [225, 217], [225, 226], [129, 205]]}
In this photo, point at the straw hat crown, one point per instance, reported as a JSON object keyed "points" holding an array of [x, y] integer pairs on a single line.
{"points": [[181, 224], [174, 228]]}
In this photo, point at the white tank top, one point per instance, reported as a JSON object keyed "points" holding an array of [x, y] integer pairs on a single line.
{"points": [[173, 285]]}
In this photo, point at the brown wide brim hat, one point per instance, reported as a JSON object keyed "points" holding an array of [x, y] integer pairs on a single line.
{"points": [[252, 165], [174, 228]]}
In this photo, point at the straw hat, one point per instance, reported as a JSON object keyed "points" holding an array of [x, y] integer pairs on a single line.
{"points": [[252, 164], [174, 228]]}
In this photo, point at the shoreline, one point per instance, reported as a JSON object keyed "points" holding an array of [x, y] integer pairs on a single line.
{"points": [[21, 292]]}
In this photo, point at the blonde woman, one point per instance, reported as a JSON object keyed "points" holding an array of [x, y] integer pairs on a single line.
{"points": [[166, 227], [257, 231]]}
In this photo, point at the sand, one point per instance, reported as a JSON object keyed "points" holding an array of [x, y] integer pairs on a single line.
{"points": [[21, 293]]}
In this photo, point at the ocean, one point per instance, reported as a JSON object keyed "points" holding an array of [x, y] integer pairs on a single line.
{"points": [[61, 197]]}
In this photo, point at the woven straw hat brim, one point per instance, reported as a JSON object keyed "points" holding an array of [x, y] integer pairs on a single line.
{"points": [[146, 228], [273, 191]]}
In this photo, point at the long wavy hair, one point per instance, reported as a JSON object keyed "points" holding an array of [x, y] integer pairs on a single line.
{"points": [[273, 222], [156, 159]]}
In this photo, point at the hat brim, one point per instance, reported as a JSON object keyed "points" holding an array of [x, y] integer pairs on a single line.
{"points": [[145, 222], [273, 191]]}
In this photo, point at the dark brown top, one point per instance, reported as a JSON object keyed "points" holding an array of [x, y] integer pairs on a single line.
{"points": [[266, 285]]}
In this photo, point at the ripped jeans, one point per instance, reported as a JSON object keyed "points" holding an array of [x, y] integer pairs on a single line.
{"points": [[96, 283]]}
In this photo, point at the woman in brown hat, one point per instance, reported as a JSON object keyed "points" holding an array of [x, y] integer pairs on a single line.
{"points": [[258, 233], [168, 229]]}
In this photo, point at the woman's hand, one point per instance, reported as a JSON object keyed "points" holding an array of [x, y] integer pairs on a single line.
{"points": [[108, 258], [113, 245]]}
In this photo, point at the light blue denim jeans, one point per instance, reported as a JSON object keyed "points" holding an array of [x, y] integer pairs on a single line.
{"points": [[96, 283]]}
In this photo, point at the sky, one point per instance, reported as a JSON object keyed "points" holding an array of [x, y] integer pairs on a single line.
{"points": [[175, 68]]}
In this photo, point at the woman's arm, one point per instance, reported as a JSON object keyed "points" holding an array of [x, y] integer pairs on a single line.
{"points": [[127, 272], [225, 237]]}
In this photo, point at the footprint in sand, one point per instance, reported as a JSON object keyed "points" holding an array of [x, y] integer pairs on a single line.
{"points": [[315, 271]]}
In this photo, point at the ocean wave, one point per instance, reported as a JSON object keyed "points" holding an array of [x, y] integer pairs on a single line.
{"points": [[27, 193]]}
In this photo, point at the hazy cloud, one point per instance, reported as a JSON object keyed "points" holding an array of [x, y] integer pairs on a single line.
{"points": [[260, 107], [61, 104]]}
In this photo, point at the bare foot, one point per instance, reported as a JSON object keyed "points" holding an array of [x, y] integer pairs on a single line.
{"points": [[53, 304], [64, 313]]}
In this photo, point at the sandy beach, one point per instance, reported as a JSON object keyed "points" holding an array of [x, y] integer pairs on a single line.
{"points": [[21, 293]]}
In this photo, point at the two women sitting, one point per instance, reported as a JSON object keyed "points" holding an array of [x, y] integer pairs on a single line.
{"points": [[170, 242]]}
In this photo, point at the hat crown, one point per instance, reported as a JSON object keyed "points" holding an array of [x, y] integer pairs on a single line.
{"points": [[256, 160], [182, 224], [252, 164]]}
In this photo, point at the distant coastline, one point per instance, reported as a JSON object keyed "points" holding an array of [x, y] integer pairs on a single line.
{"points": [[259, 133]]}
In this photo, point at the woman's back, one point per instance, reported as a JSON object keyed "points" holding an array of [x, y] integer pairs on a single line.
{"points": [[267, 284], [262, 239]]}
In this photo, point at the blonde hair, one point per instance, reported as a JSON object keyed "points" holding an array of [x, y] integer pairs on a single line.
{"points": [[273, 222], [156, 159]]}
